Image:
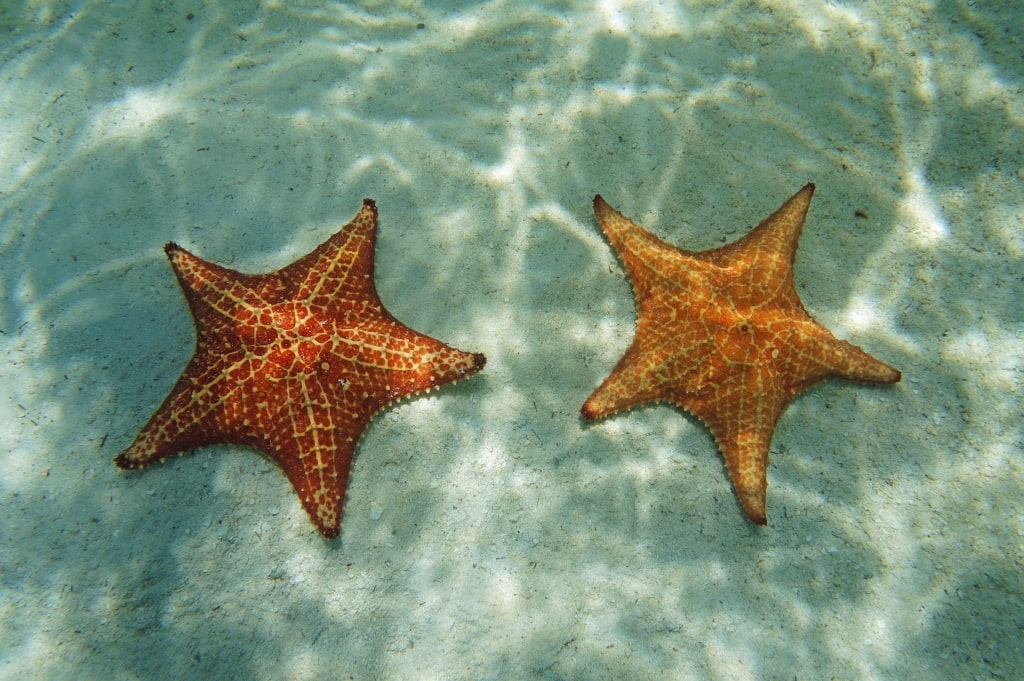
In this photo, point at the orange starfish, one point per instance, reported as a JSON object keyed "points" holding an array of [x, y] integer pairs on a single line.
{"points": [[295, 363], [723, 334]]}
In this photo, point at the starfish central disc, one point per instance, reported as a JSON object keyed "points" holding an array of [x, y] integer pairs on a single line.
{"points": [[288, 335]]}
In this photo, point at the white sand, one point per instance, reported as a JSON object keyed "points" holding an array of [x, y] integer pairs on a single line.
{"points": [[488, 532]]}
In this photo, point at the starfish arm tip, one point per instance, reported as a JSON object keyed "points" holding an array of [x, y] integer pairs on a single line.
{"points": [[880, 372], [332, 532], [135, 457], [589, 412], [754, 510]]}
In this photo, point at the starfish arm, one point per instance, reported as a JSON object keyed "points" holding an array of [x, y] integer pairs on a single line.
{"points": [[212, 288], [807, 353], [402, 360], [623, 389], [846, 360], [325, 414], [337, 276], [745, 451], [770, 248], [653, 369], [644, 256], [431, 365], [742, 423], [322, 491], [185, 420], [314, 439]]}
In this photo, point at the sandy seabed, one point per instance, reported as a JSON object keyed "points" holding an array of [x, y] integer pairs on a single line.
{"points": [[489, 533]]}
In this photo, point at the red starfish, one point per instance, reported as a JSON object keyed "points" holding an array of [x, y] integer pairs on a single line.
{"points": [[295, 363], [723, 334]]}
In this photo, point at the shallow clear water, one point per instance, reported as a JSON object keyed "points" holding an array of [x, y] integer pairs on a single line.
{"points": [[488, 532]]}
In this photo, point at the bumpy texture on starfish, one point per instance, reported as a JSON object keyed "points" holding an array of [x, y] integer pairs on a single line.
{"points": [[724, 335], [295, 363]]}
